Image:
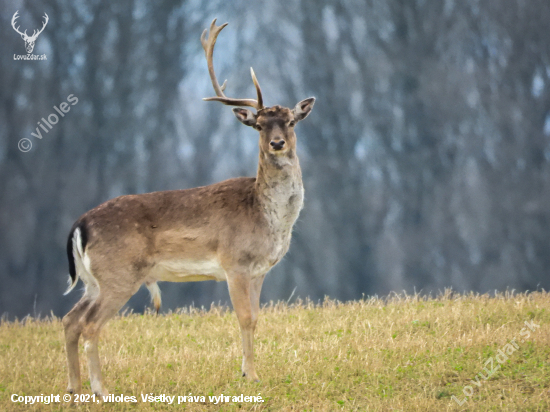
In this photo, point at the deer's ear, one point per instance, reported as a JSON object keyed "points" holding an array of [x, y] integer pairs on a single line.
{"points": [[245, 116], [302, 109]]}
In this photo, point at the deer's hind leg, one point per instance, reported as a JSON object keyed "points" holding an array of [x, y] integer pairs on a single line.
{"points": [[109, 301], [73, 329]]}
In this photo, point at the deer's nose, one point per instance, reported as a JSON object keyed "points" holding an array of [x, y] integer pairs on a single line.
{"points": [[277, 144]]}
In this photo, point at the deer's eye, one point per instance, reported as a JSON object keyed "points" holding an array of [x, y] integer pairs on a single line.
{"points": [[292, 123], [257, 127]]}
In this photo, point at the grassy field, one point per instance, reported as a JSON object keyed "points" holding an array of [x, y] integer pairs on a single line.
{"points": [[402, 353]]}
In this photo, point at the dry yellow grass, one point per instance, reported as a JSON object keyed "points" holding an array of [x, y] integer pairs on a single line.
{"points": [[403, 353]]}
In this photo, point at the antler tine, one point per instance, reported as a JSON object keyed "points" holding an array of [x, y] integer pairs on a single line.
{"points": [[14, 18], [34, 34], [233, 102], [258, 90], [46, 20], [208, 41]]}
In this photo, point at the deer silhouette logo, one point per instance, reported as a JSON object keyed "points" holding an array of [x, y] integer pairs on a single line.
{"points": [[29, 40]]}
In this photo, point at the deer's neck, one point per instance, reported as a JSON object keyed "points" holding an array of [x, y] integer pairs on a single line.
{"points": [[279, 189]]}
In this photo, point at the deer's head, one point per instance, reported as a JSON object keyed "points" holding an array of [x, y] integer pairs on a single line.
{"points": [[29, 40], [275, 124]]}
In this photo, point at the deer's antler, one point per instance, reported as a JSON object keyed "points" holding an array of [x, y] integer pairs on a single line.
{"points": [[208, 43], [35, 34], [15, 17]]}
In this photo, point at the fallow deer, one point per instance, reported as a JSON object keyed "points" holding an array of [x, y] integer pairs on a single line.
{"points": [[233, 231]]}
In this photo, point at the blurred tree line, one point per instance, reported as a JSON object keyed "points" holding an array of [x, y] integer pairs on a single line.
{"points": [[426, 160]]}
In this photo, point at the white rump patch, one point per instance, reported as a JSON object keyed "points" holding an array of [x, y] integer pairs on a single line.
{"points": [[83, 266], [85, 273], [87, 262]]}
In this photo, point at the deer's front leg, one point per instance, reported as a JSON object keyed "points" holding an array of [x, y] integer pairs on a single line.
{"points": [[255, 291], [239, 291]]}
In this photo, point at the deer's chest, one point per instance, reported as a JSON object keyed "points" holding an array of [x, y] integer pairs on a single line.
{"points": [[281, 214]]}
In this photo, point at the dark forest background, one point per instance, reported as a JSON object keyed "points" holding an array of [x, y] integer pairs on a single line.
{"points": [[426, 159]]}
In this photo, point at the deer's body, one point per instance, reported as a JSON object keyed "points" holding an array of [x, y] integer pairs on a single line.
{"points": [[233, 231], [175, 237]]}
